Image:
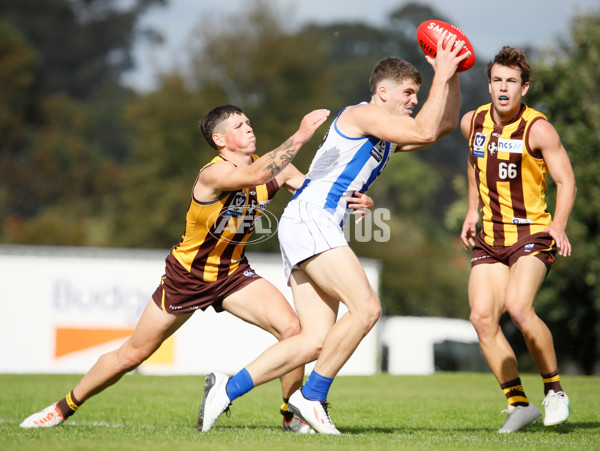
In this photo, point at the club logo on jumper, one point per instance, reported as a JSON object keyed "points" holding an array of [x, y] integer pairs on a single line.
{"points": [[479, 145], [492, 147], [510, 145], [519, 221], [378, 151], [528, 247]]}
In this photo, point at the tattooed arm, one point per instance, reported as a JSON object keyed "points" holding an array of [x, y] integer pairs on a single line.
{"points": [[229, 175], [271, 164]]}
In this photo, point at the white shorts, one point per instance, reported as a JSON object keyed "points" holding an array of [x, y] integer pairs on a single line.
{"points": [[306, 230]]}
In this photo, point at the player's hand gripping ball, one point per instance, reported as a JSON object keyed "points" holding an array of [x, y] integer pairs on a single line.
{"points": [[429, 32]]}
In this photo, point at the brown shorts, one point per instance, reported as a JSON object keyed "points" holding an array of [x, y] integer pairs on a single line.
{"points": [[540, 245], [182, 292]]}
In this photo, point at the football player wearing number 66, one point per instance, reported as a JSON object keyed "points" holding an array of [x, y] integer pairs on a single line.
{"points": [[512, 149]]}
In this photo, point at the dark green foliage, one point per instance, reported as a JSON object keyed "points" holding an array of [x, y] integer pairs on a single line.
{"points": [[565, 87], [86, 161]]}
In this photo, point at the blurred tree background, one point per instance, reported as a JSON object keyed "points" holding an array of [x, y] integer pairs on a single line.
{"points": [[87, 161]]}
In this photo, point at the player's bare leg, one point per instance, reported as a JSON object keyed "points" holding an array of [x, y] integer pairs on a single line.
{"points": [[526, 277], [261, 304], [487, 287], [329, 278], [487, 297], [152, 329], [339, 275]]}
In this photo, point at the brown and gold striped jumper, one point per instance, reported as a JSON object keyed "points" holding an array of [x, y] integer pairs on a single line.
{"points": [[510, 176], [216, 233]]}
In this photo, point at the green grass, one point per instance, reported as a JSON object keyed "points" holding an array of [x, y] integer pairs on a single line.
{"points": [[442, 411]]}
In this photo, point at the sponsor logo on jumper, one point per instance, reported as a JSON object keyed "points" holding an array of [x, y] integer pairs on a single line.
{"points": [[510, 145], [521, 221]]}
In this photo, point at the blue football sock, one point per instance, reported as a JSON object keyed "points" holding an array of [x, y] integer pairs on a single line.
{"points": [[317, 387], [239, 384]]}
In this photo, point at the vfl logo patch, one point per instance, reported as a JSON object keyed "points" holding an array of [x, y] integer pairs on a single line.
{"points": [[236, 207], [528, 247], [510, 145], [378, 150], [479, 145]]}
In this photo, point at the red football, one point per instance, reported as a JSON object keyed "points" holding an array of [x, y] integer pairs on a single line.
{"points": [[428, 34]]}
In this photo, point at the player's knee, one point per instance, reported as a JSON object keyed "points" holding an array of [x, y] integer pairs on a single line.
{"points": [[374, 314], [370, 314], [289, 327], [311, 347], [521, 316], [483, 322], [129, 359]]}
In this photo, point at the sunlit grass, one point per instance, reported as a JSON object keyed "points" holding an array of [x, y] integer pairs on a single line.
{"points": [[445, 410]]}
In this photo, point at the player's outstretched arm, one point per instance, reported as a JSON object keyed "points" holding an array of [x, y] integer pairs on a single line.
{"points": [[226, 176]]}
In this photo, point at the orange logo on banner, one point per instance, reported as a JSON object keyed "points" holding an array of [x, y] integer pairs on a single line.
{"points": [[70, 340]]}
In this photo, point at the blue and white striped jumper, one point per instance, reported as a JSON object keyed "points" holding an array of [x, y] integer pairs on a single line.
{"points": [[341, 166]]}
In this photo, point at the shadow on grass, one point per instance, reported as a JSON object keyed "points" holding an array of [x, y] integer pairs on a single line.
{"points": [[565, 428]]}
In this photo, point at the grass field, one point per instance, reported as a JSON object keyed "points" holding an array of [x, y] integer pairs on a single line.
{"points": [[383, 412]]}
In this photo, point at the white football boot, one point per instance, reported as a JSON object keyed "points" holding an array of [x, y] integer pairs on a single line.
{"points": [[215, 401], [295, 424], [315, 413], [556, 408], [518, 417], [47, 418]]}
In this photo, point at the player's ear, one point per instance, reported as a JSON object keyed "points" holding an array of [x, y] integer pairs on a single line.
{"points": [[382, 92], [218, 139], [524, 88]]}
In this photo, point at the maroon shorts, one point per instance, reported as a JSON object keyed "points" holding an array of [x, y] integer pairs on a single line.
{"points": [[540, 245], [181, 292]]}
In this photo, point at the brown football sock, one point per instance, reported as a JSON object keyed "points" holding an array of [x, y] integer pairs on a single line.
{"points": [[513, 390], [551, 382], [68, 405]]}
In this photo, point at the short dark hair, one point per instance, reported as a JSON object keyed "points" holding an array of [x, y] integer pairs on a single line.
{"points": [[214, 118], [393, 68], [511, 57]]}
